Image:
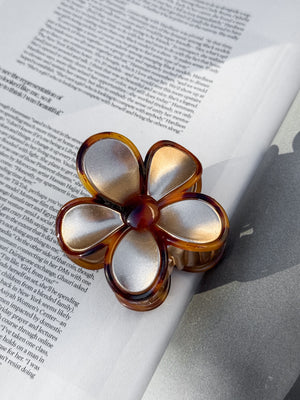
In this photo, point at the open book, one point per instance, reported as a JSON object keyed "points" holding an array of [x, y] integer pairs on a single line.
{"points": [[216, 77]]}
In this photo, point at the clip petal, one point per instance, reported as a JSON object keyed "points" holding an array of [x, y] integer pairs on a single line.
{"points": [[144, 218]]}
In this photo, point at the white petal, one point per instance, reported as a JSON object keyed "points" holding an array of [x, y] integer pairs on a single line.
{"points": [[169, 169], [136, 261], [191, 220], [112, 168], [87, 224]]}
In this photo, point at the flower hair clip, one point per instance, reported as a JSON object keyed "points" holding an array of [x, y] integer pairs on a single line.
{"points": [[144, 218]]}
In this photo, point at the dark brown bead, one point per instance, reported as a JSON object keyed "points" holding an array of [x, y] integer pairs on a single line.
{"points": [[141, 212]]}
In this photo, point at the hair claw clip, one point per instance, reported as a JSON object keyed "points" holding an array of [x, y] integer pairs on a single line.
{"points": [[144, 218]]}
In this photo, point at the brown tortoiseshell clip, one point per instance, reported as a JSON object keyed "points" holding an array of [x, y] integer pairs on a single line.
{"points": [[143, 219]]}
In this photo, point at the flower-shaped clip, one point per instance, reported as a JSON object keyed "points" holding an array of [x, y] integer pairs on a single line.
{"points": [[144, 218]]}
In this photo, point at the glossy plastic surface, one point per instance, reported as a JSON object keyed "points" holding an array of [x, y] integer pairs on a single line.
{"points": [[143, 219]]}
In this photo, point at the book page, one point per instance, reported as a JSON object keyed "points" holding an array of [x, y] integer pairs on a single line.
{"points": [[212, 76]]}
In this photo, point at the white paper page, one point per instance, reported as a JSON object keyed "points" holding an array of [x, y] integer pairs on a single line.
{"points": [[102, 350]]}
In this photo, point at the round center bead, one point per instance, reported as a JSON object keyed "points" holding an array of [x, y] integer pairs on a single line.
{"points": [[141, 212]]}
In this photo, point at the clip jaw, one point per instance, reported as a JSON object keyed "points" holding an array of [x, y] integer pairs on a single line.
{"points": [[144, 218], [194, 261]]}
